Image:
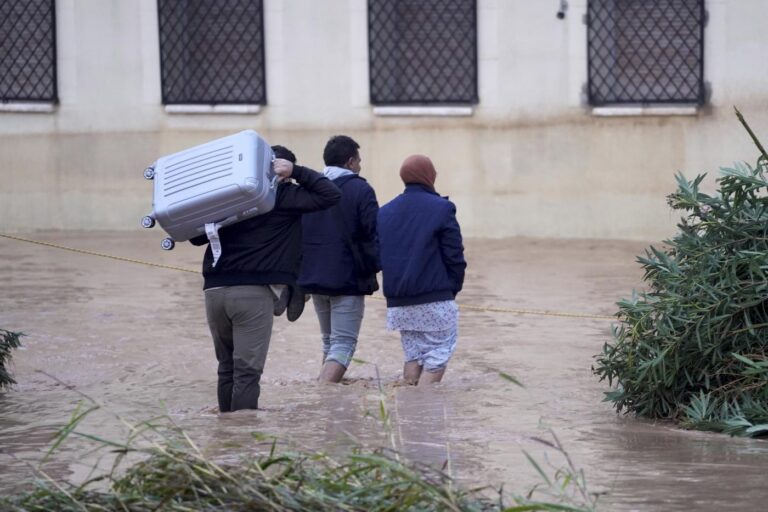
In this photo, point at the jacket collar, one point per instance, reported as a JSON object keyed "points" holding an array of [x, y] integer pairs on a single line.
{"points": [[339, 181], [417, 187], [332, 172]]}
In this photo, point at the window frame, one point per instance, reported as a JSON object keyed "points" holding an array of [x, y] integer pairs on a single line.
{"points": [[39, 103], [218, 106], [384, 104], [596, 99]]}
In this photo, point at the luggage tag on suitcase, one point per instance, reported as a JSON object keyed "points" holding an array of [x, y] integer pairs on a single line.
{"points": [[212, 232], [204, 188]]}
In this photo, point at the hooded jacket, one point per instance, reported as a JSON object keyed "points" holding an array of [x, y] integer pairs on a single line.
{"points": [[327, 267]]}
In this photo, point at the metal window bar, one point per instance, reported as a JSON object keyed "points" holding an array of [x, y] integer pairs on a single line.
{"points": [[645, 51], [28, 51], [422, 51], [212, 52]]}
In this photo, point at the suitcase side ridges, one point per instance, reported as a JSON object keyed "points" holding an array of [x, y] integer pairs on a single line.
{"points": [[215, 176], [182, 173], [214, 166], [174, 165]]}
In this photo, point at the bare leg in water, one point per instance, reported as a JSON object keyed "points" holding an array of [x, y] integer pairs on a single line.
{"points": [[411, 372], [428, 377], [332, 372]]}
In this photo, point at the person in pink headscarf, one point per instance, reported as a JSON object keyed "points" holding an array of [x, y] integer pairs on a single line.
{"points": [[422, 261]]}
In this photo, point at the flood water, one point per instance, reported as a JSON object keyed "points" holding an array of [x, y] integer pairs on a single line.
{"points": [[133, 338]]}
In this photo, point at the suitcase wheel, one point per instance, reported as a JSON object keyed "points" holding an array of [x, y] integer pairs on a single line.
{"points": [[149, 173], [147, 222], [167, 244]]}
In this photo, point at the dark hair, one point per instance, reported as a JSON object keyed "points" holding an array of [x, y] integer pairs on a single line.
{"points": [[284, 153], [339, 150]]}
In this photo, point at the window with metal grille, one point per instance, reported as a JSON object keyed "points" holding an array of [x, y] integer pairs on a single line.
{"points": [[212, 51], [645, 51], [422, 51], [28, 51]]}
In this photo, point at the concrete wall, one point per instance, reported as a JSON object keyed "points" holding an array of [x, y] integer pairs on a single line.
{"points": [[532, 160]]}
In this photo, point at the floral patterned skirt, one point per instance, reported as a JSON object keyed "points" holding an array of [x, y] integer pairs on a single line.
{"points": [[428, 332], [430, 317]]}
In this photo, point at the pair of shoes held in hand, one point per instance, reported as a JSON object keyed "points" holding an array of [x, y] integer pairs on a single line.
{"points": [[291, 299]]}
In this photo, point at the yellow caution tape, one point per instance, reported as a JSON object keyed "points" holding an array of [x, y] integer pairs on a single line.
{"points": [[486, 309], [101, 255]]}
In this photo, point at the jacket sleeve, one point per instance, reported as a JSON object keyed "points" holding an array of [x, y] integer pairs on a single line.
{"points": [[315, 192], [452, 249], [367, 213]]}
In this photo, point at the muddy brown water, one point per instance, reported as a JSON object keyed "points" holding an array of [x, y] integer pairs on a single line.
{"points": [[133, 338]]}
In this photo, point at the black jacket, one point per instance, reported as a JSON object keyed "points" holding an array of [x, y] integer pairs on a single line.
{"points": [[267, 249], [327, 267]]}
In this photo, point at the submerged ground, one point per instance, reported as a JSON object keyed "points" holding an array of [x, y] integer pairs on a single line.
{"points": [[133, 338]]}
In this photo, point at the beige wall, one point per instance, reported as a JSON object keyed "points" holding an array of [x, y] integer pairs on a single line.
{"points": [[531, 160]]}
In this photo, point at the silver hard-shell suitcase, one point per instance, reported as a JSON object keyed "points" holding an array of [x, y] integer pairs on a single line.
{"points": [[214, 184]]}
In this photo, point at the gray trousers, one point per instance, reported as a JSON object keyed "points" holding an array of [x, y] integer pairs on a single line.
{"points": [[340, 319], [240, 319]]}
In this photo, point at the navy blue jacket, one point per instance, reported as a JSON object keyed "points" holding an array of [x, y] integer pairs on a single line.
{"points": [[327, 265], [422, 256], [266, 249]]}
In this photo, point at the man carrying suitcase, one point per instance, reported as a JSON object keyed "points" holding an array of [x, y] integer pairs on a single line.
{"points": [[258, 255]]}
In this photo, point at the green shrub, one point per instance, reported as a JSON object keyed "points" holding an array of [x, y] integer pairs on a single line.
{"points": [[692, 347], [8, 341]]}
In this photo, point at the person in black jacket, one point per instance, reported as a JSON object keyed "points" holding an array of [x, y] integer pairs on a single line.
{"points": [[422, 260], [259, 256], [341, 257]]}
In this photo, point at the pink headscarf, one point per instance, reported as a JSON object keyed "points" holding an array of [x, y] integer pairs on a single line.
{"points": [[418, 169]]}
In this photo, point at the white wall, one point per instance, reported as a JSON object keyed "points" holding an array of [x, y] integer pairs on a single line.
{"points": [[531, 160]]}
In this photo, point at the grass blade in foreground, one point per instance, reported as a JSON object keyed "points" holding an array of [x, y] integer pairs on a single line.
{"points": [[175, 476]]}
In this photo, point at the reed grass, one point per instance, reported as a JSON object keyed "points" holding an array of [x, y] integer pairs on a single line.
{"points": [[8, 341], [692, 348], [173, 474]]}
